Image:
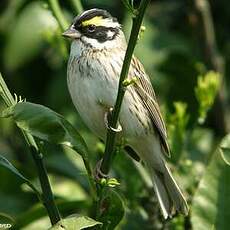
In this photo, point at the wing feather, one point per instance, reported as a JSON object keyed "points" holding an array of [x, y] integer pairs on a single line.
{"points": [[145, 90]]}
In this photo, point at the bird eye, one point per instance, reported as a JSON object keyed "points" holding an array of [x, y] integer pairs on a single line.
{"points": [[91, 28]]}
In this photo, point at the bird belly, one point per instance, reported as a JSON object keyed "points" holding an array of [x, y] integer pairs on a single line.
{"points": [[93, 94], [82, 92]]}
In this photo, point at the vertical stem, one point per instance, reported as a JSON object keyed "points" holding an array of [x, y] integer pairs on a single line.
{"points": [[90, 178], [47, 195], [110, 140], [63, 24], [54, 4], [209, 35], [216, 63], [56, 9], [77, 6]]}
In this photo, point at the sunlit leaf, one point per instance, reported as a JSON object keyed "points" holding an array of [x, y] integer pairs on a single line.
{"points": [[225, 147], [64, 165], [75, 222], [211, 203], [6, 164], [177, 126], [46, 124], [206, 90], [226, 155]]}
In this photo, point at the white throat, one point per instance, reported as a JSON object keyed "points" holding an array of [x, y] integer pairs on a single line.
{"points": [[85, 43]]}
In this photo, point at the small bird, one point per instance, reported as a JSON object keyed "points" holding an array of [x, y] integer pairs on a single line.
{"points": [[96, 56]]}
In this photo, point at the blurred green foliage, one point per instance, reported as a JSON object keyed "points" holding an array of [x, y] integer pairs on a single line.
{"points": [[206, 90], [33, 62]]}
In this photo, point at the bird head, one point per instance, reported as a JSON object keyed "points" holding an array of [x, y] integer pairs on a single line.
{"points": [[96, 27]]}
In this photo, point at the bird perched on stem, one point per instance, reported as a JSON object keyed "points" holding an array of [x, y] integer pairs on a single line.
{"points": [[96, 57]]}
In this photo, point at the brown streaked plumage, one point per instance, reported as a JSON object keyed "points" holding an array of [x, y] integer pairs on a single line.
{"points": [[145, 90], [96, 58]]}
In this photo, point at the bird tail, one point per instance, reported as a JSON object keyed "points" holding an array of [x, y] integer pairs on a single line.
{"points": [[168, 193]]}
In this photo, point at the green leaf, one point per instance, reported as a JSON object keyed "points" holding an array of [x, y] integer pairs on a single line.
{"points": [[225, 147], [5, 163], [225, 153], [178, 122], [211, 203], [47, 125], [75, 222], [63, 164], [112, 210]]}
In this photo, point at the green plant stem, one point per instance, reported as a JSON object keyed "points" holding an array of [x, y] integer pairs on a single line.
{"points": [[92, 183], [47, 195], [110, 140], [56, 9], [77, 6], [63, 25]]}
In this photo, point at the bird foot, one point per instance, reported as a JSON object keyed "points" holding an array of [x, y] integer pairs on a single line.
{"points": [[98, 174], [107, 118]]}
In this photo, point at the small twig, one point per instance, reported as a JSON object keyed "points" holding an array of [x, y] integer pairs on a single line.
{"points": [[209, 33], [110, 140], [47, 195], [89, 171], [77, 6], [56, 9]]}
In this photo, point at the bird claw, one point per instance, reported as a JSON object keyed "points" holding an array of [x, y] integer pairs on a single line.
{"points": [[98, 174], [107, 117]]}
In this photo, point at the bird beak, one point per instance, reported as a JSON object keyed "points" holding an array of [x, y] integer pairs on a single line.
{"points": [[71, 33]]}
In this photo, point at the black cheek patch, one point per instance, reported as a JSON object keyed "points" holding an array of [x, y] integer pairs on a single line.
{"points": [[101, 36], [100, 33]]}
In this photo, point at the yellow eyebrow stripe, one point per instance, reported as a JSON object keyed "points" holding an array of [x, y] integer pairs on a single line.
{"points": [[97, 21]]}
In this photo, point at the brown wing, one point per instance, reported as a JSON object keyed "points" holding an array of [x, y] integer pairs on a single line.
{"points": [[145, 90]]}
